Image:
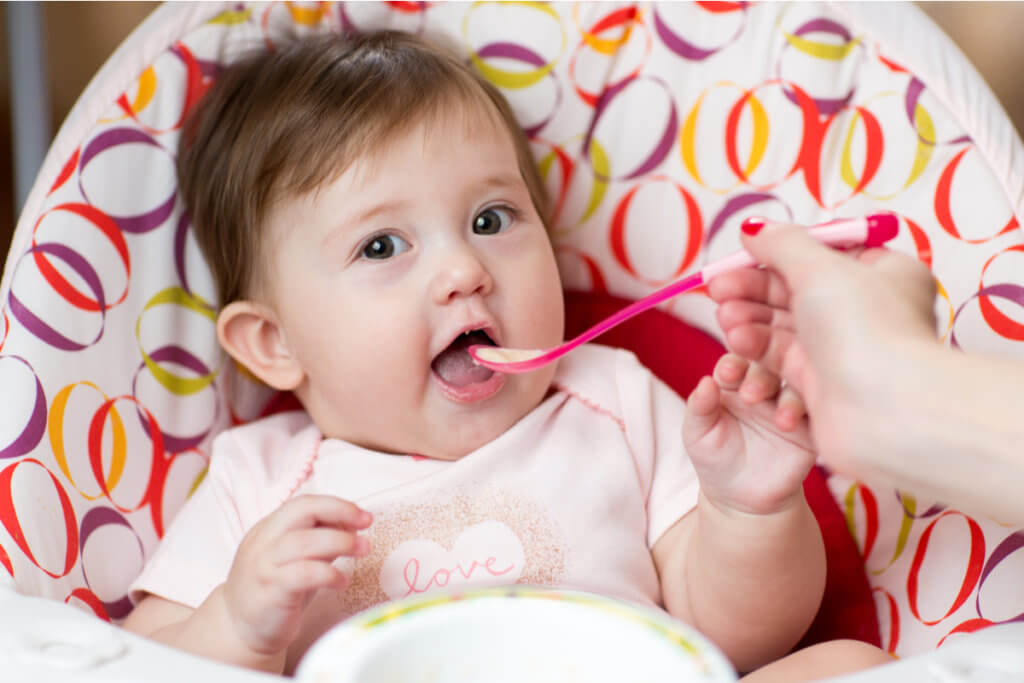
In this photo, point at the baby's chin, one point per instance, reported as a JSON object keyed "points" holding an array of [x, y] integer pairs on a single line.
{"points": [[469, 433]]}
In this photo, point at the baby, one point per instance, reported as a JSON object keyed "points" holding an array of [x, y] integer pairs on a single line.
{"points": [[369, 208]]}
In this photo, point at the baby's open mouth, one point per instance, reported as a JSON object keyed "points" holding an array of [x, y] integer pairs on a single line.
{"points": [[455, 366]]}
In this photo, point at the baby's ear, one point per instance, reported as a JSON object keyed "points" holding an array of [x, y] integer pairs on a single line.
{"points": [[250, 332]]}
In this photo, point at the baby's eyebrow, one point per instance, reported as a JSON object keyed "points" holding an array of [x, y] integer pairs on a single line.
{"points": [[503, 181], [353, 221], [377, 210]]}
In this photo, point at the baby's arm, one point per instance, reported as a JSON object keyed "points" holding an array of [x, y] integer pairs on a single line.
{"points": [[206, 631], [252, 618], [747, 566]]}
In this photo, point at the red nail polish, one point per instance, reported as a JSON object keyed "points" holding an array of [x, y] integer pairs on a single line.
{"points": [[752, 225]]}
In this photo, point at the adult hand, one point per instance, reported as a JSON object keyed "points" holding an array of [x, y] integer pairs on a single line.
{"points": [[840, 330]]}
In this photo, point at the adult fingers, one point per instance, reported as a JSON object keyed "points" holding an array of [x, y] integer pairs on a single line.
{"points": [[733, 313], [792, 252], [749, 340], [765, 344], [752, 284], [905, 274]]}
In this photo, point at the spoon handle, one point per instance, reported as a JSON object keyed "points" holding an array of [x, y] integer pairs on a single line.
{"points": [[869, 231]]}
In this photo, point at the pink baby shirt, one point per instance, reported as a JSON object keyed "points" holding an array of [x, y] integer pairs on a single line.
{"points": [[574, 495]]}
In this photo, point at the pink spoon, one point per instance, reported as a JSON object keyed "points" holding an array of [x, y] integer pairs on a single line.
{"points": [[869, 231]]}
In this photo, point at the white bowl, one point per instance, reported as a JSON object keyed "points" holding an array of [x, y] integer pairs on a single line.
{"points": [[512, 634]]}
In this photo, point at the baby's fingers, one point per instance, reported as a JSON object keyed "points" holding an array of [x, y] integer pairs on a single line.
{"points": [[318, 510], [730, 370], [703, 411], [790, 409], [704, 399], [319, 543], [759, 385], [753, 382], [301, 577]]}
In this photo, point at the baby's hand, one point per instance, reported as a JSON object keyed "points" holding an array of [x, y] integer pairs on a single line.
{"points": [[283, 559], [744, 460]]}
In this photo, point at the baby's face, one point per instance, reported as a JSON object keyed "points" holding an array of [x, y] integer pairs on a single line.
{"points": [[376, 277]]}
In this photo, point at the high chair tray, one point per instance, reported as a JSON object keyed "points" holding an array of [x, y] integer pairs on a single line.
{"points": [[44, 640]]}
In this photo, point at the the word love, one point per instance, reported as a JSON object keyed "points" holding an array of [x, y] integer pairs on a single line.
{"points": [[484, 554]]}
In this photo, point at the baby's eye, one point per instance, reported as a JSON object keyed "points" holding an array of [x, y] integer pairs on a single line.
{"points": [[383, 247], [493, 220]]}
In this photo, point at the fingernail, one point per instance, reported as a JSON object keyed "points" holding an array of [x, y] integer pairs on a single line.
{"points": [[752, 225], [362, 546]]}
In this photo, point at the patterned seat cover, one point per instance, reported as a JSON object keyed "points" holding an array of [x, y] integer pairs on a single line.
{"points": [[658, 128]]}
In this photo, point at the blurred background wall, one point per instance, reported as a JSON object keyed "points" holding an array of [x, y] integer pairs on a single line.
{"points": [[81, 35]]}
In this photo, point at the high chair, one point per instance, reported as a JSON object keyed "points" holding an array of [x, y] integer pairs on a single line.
{"points": [[658, 128]]}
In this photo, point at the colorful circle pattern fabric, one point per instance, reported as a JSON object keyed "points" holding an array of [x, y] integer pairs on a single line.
{"points": [[658, 129]]}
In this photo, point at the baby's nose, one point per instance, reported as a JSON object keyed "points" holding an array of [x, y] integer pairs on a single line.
{"points": [[462, 273]]}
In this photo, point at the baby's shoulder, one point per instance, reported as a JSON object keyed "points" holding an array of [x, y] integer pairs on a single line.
{"points": [[266, 450]]}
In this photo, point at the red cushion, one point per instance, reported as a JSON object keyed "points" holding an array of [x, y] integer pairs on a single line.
{"points": [[680, 355]]}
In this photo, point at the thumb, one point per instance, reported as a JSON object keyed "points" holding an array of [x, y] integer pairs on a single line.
{"points": [[906, 274], [788, 250]]}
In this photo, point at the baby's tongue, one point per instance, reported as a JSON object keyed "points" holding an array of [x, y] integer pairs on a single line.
{"points": [[455, 366]]}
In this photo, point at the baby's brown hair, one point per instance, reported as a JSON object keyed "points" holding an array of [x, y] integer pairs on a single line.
{"points": [[280, 124]]}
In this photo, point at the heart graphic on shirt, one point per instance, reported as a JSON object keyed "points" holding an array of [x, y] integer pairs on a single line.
{"points": [[485, 554]]}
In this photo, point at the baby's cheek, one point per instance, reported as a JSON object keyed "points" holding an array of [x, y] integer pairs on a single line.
{"points": [[541, 316]]}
